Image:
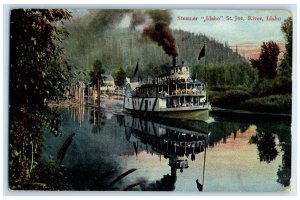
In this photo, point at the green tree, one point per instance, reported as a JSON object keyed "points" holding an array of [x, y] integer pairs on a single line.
{"points": [[38, 72], [96, 74], [286, 64], [267, 61], [287, 29], [119, 75]]}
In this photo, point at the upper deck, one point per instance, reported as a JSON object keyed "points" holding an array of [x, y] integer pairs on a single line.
{"points": [[176, 82], [179, 73], [171, 89]]}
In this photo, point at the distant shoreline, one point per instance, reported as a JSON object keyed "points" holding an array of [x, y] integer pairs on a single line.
{"points": [[217, 110]]}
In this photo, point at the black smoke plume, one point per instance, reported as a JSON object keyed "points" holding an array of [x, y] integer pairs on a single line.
{"points": [[158, 30], [160, 33]]}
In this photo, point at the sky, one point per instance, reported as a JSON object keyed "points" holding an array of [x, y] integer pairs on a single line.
{"points": [[246, 35]]}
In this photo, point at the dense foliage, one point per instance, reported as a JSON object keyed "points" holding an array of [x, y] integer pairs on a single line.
{"points": [[235, 75], [267, 61], [285, 67], [287, 29], [38, 72], [119, 76], [273, 103]]}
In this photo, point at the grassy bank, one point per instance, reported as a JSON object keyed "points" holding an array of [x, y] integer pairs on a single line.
{"points": [[247, 100], [273, 103]]}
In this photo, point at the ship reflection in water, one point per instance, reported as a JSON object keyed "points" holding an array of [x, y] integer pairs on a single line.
{"points": [[175, 144], [114, 151]]}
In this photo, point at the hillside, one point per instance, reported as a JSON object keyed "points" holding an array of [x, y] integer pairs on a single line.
{"points": [[123, 47]]}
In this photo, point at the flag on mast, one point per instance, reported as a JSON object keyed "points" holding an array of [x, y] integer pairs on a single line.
{"points": [[202, 53], [136, 68]]}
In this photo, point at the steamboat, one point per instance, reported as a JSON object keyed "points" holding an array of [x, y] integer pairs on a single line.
{"points": [[172, 95]]}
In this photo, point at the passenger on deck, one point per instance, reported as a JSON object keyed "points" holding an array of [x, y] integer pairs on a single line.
{"points": [[194, 90]]}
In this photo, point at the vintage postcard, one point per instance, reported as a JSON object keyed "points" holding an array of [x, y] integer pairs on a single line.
{"points": [[181, 100]]}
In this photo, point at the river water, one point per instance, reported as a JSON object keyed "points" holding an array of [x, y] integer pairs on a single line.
{"points": [[112, 151]]}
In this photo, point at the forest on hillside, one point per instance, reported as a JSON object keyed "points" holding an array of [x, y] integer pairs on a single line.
{"points": [[117, 47]]}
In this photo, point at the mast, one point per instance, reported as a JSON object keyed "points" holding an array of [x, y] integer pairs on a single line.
{"points": [[205, 75], [201, 55]]}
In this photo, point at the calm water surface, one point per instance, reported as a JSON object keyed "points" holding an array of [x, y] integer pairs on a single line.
{"points": [[170, 155]]}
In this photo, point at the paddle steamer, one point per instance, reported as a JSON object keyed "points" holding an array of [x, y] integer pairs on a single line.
{"points": [[172, 95]]}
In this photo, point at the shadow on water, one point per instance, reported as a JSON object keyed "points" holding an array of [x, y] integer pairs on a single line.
{"points": [[90, 161], [268, 151], [266, 146]]}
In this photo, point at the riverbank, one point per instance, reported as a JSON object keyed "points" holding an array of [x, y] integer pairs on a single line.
{"points": [[244, 114], [245, 102]]}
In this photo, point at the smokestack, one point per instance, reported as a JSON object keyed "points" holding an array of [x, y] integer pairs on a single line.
{"points": [[174, 61]]}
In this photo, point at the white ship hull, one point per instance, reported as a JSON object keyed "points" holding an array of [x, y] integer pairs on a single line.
{"points": [[159, 107]]}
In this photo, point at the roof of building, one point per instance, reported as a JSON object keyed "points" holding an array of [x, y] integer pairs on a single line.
{"points": [[107, 77]]}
